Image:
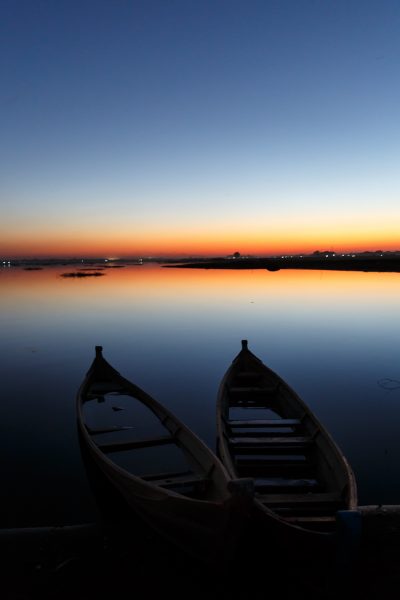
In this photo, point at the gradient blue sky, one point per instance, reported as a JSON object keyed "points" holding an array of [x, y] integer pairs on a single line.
{"points": [[198, 126]]}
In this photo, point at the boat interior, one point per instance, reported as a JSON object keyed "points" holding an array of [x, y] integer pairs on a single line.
{"points": [[277, 442], [136, 440]]}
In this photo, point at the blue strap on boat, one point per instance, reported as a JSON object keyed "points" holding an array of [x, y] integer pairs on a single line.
{"points": [[348, 537]]}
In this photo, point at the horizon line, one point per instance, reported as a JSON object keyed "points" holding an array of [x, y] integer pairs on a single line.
{"points": [[6, 259]]}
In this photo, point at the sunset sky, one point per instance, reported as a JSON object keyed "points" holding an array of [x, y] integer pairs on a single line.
{"points": [[181, 127]]}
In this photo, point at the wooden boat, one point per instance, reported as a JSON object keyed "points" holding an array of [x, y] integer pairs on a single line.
{"points": [[303, 483], [170, 477]]}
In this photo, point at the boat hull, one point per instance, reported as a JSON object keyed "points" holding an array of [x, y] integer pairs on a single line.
{"points": [[301, 477], [204, 522]]}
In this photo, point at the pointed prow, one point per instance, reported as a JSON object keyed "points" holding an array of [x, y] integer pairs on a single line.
{"points": [[99, 350], [244, 345]]}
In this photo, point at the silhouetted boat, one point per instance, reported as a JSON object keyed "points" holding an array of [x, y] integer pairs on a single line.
{"points": [[267, 432], [170, 478]]}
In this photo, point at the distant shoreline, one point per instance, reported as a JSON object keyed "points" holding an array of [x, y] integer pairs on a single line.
{"points": [[357, 263], [384, 263]]}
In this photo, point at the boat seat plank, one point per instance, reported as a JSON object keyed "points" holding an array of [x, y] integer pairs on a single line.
{"points": [[305, 511], [266, 423], [179, 481], [112, 429], [311, 520], [293, 499], [271, 441], [280, 485], [286, 483], [136, 444], [270, 460], [261, 452], [289, 434], [292, 470]]}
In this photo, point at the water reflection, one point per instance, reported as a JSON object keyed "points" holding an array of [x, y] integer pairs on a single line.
{"points": [[331, 335]]}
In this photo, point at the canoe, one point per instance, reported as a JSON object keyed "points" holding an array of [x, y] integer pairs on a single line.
{"points": [[302, 482], [164, 472]]}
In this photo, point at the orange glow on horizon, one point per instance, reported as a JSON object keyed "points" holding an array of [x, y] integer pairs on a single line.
{"points": [[214, 250], [100, 242]]}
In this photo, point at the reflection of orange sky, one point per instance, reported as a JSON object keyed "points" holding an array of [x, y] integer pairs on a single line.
{"points": [[153, 286], [273, 238]]}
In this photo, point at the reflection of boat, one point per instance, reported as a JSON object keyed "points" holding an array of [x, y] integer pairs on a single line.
{"points": [[267, 432], [168, 476]]}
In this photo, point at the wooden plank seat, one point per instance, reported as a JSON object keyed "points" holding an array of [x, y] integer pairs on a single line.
{"points": [[312, 520], [265, 434], [261, 452], [112, 429], [321, 498], [265, 423], [292, 470], [263, 484], [136, 444], [255, 442], [322, 524]]}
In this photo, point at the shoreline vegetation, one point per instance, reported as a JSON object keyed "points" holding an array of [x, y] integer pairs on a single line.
{"points": [[379, 261], [386, 264]]}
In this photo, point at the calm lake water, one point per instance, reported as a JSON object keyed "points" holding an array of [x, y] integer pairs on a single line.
{"points": [[333, 336]]}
